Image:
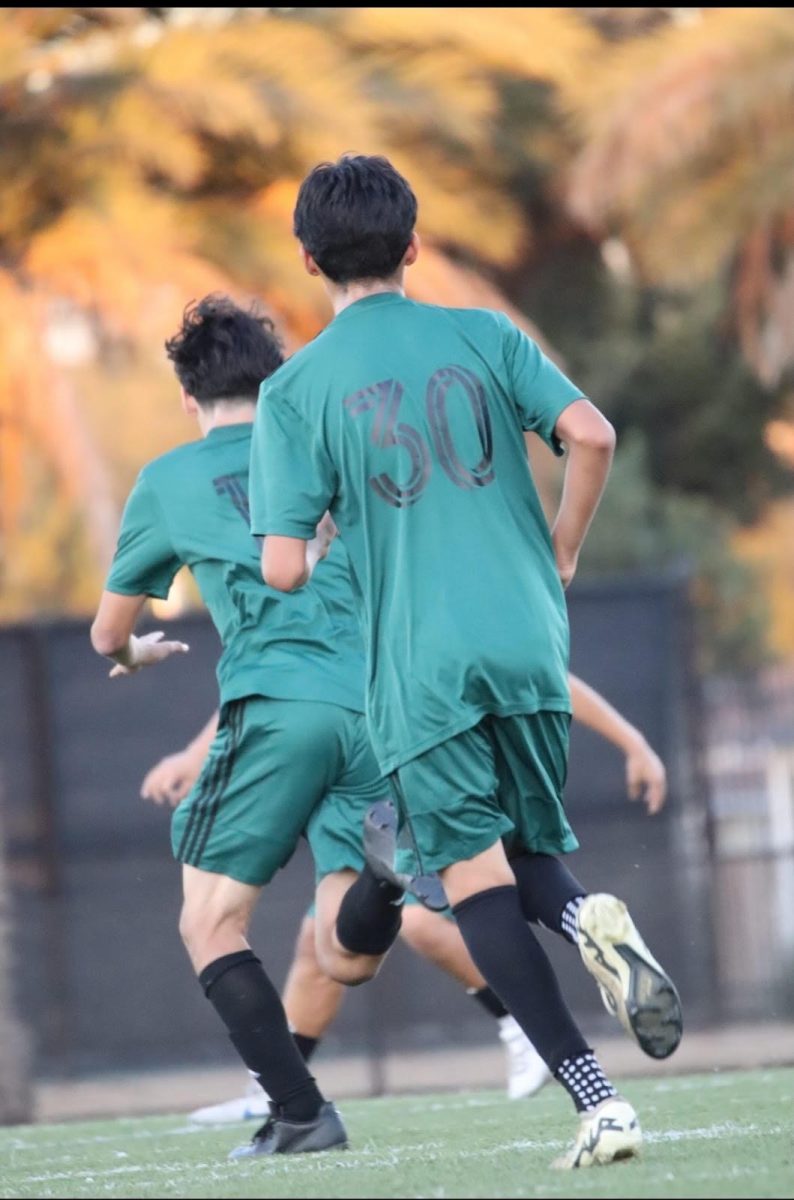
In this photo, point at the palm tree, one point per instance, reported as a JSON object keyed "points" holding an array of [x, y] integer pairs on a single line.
{"points": [[688, 157], [156, 158]]}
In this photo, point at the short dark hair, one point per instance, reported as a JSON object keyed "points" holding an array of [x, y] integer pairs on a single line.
{"points": [[355, 217], [223, 351]]}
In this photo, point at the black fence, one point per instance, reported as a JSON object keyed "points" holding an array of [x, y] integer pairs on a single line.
{"points": [[101, 976]]}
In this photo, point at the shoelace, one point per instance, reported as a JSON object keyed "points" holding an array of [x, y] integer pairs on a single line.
{"points": [[267, 1128]]}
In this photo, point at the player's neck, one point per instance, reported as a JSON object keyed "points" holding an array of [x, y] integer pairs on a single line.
{"points": [[226, 412], [343, 295]]}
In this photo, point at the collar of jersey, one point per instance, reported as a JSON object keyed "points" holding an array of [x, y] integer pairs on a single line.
{"points": [[238, 429], [370, 302]]}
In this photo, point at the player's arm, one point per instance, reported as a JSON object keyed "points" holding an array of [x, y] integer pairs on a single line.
{"points": [[590, 441], [170, 780], [112, 635], [144, 565], [645, 772], [288, 562], [291, 486], [551, 406]]}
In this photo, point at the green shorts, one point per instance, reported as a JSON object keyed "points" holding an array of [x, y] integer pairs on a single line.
{"points": [[277, 769], [502, 779]]}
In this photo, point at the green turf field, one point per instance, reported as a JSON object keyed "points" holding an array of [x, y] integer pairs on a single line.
{"points": [[723, 1134]]}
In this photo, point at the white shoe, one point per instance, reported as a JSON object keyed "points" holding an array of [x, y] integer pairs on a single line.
{"points": [[255, 1104], [526, 1071], [633, 986], [606, 1134]]}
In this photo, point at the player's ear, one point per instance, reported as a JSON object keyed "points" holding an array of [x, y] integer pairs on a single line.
{"points": [[308, 262], [189, 404], [412, 252]]}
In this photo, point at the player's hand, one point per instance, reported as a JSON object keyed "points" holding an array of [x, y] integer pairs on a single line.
{"points": [[146, 651], [646, 777], [318, 547], [170, 780]]}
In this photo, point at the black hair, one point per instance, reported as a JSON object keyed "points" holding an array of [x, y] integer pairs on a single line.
{"points": [[223, 351], [355, 217]]}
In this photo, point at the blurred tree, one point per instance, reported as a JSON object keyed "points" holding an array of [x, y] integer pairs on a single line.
{"points": [[156, 153], [688, 157], [641, 527]]}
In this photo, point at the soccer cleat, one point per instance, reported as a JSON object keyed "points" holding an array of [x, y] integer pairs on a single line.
{"points": [[380, 848], [608, 1133], [280, 1136], [633, 986], [254, 1104], [526, 1071]]}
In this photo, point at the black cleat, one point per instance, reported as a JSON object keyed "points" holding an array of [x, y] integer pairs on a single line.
{"points": [[280, 1136], [380, 849]]}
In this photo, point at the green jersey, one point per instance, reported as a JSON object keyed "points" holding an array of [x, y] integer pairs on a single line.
{"points": [[191, 507], [407, 420]]}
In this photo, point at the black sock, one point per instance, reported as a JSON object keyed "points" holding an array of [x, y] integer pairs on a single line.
{"points": [[370, 915], [489, 1000], [249, 1006], [511, 958], [545, 888], [306, 1045], [584, 1081]]}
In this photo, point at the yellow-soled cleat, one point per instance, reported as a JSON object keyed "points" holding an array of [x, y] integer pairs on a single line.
{"points": [[634, 987], [609, 1133]]}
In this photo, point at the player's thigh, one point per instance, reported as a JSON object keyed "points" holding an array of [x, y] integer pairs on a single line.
{"points": [[531, 761], [210, 900], [268, 768], [448, 801], [335, 828]]}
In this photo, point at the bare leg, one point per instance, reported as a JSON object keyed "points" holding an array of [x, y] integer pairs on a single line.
{"points": [[311, 998], [343, 965], [216, 914], [438, 939]]}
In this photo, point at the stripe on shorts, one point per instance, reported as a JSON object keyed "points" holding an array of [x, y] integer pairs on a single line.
{"points": [[213, 782]]}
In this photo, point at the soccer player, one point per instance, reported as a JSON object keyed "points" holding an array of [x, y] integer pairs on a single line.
{"points": [[291, 751], [406, 422], [312, 1000]]}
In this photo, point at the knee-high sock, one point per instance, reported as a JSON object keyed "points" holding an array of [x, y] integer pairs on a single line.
{"points": [[250, 1008], [548, 892], [515, 965]]}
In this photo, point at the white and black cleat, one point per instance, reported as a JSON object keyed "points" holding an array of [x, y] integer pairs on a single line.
{"points": [[609, 1133], [280, 1136], [634, 987], [380, 849]]}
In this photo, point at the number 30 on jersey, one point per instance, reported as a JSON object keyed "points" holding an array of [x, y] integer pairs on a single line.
{"points": [[385, 397]]}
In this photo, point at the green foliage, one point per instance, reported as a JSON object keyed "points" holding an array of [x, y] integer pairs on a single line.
{"points": [[642, 527]]}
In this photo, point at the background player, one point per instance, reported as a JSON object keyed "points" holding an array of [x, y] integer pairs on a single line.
{"points": [[291, 745]]}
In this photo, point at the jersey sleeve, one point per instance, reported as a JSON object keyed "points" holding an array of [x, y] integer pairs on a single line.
{"points": [[145, 562], [540, 390], [292, 481]]}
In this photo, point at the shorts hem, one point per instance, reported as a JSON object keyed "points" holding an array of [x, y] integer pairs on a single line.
{"points": [[393, 763], [434, 863]]}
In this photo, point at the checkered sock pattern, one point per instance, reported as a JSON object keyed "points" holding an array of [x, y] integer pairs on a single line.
{"points": [[584, 1081], [568, 919]]}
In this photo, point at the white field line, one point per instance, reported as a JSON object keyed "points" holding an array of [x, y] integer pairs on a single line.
{"points": [[394, 1156]]}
